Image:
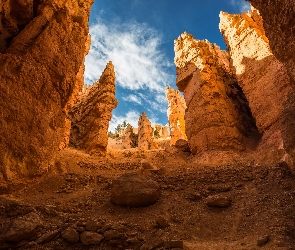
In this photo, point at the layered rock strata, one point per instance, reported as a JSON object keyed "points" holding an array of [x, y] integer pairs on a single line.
{"points": [[145, 132], [175, 112], [91, 114], [217, 115], [263, 78], [42, 47]]}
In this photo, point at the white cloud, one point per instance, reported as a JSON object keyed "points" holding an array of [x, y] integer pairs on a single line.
{"points": [[130, 117], [242, 5], [132, 98], [134, 50]]}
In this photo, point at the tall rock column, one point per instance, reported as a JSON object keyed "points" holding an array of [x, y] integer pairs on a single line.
{"points": [[175, 113], [217, 115], [145, 132], [263, 78], [42, 47], [91, 114]]}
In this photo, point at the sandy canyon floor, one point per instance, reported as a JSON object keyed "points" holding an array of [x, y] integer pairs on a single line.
{"points": [[232, 206]]}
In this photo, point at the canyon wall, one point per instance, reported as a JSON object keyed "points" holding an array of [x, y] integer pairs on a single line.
{"points": [[145, 132], [263, 78], [42, 47], [175, 113], [279, 25], [217, 115], [91, 114]]}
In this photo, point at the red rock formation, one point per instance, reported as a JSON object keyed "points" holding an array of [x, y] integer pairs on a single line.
{"points": [[76, 92], [217, 116], [91, 114], [145, 132], [263, 78], [175, 113], [42, 45], [129, 139], [279, 25]]}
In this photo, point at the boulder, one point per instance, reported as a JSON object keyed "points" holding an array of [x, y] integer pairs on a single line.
{"points": [[23, 228], [182, 145], [90, 238], [134, 190]]}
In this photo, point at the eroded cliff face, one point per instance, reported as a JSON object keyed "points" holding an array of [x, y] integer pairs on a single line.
{"points": [[91, 114], [263, 78], [42, 45], [217, 115], [145, 132], [279, 25], [175, 113]]}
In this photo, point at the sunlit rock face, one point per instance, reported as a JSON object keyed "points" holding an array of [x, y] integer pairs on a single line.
{"points": [[217, 115], [263, 78], [145, 132], [175, 113], [91, 114], [279, 25], [42, 47]]}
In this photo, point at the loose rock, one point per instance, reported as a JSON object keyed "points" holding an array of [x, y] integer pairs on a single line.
{"points": [[70, 235], [134, 190], [216, 201], [90, 238]]}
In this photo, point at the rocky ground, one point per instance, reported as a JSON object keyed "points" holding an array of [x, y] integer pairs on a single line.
{"points": [[232, 206]]}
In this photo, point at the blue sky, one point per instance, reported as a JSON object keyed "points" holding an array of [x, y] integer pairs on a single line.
{"points": [[138, 36]]}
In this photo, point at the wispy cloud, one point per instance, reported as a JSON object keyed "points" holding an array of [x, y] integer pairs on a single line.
{"points": [[242, 5], [132, 98], [130, 117], [134, 50]]}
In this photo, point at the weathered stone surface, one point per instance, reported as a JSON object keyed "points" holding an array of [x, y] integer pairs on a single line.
{"points": [[182, 145], [134, 190], [42, 47], [47, 237], [91, 114], [70, 235], [145, 132], [264, 80], [175, 113], [90, 238], [129, 139], [218, 116], [217, 201], [279, 25], [23, 228]]}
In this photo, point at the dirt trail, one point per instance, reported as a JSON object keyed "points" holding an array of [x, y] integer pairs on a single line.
{"points": [[76, 193]]}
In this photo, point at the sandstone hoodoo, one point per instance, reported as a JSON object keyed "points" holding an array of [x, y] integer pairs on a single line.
{"points": [[175, 113], [91, 114], [145, 132], [129, 139], [217, 114], [42, 47], [263, 78]]}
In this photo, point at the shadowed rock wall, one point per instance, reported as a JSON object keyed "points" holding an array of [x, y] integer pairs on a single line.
{"points": [[91, 114], [263, 78], [217, 115], [42, 46]]}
